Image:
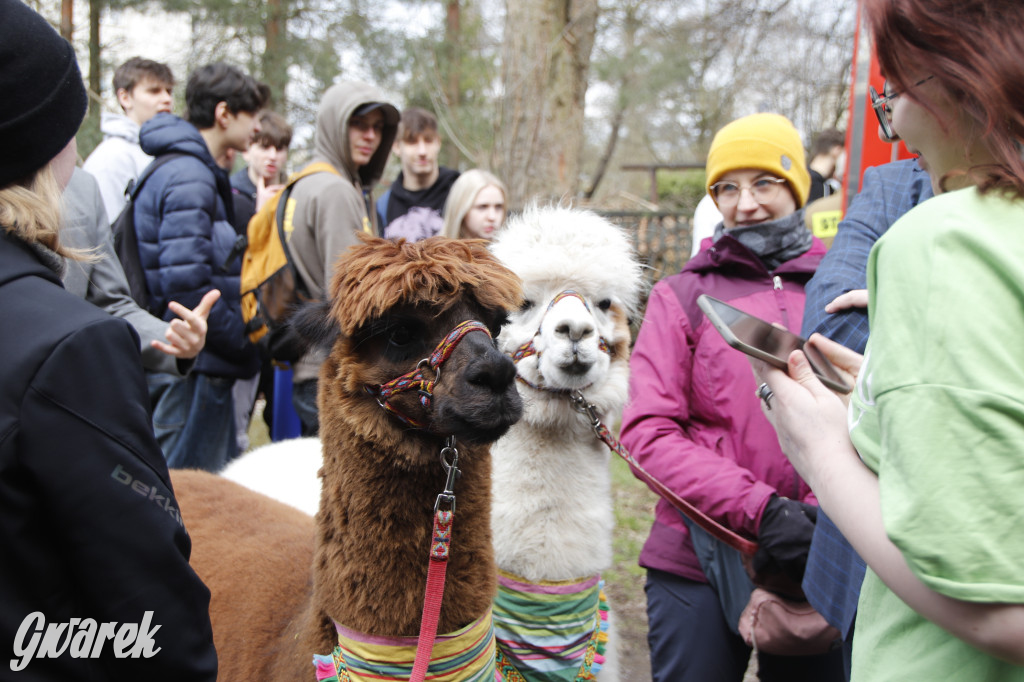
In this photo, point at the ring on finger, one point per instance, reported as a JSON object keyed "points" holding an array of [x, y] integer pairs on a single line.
{"points": [[765, 393]]}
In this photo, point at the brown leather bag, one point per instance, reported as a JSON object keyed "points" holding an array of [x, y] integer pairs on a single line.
{"points": [[775, 625]]}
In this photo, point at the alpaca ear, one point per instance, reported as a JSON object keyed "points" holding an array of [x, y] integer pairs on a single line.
{"points": [[314, 323]]}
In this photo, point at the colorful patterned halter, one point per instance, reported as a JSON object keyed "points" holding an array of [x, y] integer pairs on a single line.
{"points": [[528, 348], [416, 379]]}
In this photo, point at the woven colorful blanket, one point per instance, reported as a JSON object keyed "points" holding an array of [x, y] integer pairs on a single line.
{"points": [[554, 629], [466, 655]]}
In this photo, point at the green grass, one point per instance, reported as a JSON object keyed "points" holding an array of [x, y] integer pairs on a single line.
{"points": [[624, 581], [634, 512]]}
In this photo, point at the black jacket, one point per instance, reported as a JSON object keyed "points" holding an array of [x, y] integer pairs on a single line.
{"points": [[89, 527]]}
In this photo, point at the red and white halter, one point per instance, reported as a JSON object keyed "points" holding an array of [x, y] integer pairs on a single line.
{"points": [[528, 348]]}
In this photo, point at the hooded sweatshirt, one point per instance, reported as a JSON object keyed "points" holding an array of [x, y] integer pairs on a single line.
{"points": [[415, 214], [116, 161], [330, 210]]}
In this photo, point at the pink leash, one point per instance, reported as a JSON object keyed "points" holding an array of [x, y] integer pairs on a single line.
{"points": [[440, 547]]}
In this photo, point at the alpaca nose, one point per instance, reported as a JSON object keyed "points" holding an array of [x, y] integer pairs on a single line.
{"points": [[494, 370], [575, 330]]}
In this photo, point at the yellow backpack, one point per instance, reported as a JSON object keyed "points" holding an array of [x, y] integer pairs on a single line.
{"points": [[271, 286]]}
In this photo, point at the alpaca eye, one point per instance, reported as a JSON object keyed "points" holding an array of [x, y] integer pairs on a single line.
{"points": [[496, 326], [400, 336], [605, 304]]}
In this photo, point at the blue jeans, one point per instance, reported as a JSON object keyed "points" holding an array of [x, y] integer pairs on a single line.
{"points": [[304, 400], [193, 419]]}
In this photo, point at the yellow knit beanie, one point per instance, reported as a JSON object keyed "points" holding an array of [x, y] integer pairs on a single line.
{"points": [[767, 142]]}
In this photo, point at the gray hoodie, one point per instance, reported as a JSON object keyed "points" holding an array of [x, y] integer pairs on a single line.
{"points": [[101, 281], [331, 210]]}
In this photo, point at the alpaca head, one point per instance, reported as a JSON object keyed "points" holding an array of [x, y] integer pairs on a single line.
{"points": [[392, 303], [581, 285]]}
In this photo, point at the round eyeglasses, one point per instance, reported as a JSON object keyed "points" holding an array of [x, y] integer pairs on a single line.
{"points": [[883, 107], [763, 191]]}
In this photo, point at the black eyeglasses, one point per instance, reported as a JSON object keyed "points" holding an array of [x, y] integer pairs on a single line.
{"points": [[883, 108]]}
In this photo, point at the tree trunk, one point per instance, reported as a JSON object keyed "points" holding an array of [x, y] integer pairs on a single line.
{"points": [[95, 68], [452, 86], [67, 19], [89, 134], [546, 62], [275, 57], [631, 25]]}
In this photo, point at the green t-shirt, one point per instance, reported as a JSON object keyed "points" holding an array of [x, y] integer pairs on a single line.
{"points": [[938, 415]]}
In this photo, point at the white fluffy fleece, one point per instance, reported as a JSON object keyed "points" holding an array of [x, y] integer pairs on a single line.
{"points": [[552, 506], [287, 471]]}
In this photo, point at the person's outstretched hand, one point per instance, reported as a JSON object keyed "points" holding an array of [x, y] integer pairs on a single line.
{"points": [[187, 336], [808, 417], [855, 298]]}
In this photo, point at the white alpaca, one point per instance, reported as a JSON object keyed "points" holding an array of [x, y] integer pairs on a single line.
{"points": [[552, 508], [287, 471]]}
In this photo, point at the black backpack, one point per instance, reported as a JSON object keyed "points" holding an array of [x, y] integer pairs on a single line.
{"points": [[126, 240]]}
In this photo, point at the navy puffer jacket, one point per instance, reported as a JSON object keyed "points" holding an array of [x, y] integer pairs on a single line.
{"points": [[183, 221]]}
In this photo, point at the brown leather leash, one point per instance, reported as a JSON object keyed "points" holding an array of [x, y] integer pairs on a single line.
{"points": [[715, 529]]}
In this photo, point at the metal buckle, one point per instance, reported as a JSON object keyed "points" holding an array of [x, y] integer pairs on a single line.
{"points": [[452, 468]]}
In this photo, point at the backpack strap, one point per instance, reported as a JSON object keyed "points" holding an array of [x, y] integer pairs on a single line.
{"points": [[134, 186], [282, 208]]}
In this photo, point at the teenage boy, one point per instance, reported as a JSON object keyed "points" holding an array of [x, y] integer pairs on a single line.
{"points": [[251, 187], [265, 170], [413, 207], [183, 217], [355, 128], [143, 89]]}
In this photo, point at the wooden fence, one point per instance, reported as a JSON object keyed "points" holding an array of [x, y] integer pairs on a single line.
{"points": [[662, 239]]}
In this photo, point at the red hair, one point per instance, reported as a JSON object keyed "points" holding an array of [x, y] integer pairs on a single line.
{"points": [[974, 50]]}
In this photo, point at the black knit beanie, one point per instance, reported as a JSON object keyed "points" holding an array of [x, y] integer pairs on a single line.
{"points": [[44, 99]]}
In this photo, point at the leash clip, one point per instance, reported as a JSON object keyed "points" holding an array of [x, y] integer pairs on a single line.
{"points": [[452, 469], [584, 407]]}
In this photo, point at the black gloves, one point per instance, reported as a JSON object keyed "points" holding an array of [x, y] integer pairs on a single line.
{"points": [[784, 537]]}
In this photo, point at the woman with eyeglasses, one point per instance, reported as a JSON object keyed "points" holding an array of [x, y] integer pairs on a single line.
{"points": [[694, 421], [923, 471]]}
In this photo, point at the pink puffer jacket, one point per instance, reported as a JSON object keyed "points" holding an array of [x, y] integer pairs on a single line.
{"points": [[693, 420]]}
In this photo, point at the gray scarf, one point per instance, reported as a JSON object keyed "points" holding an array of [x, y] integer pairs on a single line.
{"points": [[773, 241]]}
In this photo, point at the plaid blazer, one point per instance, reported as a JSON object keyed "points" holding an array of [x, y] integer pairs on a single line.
{"points": [[834, 570]]}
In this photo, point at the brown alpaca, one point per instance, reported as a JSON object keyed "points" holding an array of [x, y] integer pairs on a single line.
{"points": [[278, 579]]}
